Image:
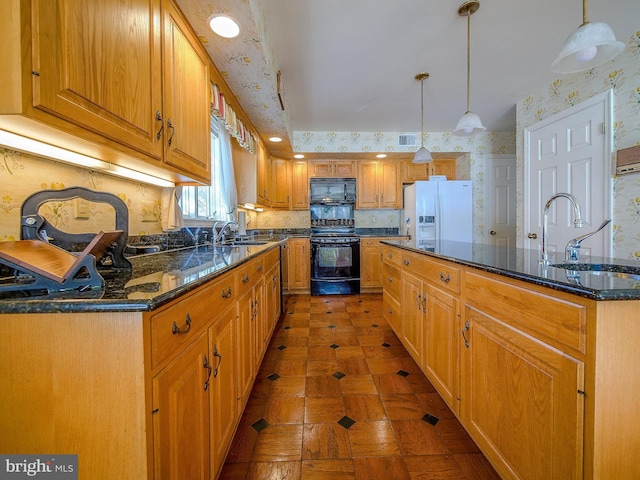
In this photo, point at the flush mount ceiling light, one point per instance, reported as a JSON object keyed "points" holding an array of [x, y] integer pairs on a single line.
{"points": [[469, 123], [298, 155], [275, 139], [225, 26], [423, 155], [591, 45]]}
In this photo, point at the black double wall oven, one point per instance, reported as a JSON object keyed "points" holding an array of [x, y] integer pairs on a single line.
{"points": [[335, 248]]}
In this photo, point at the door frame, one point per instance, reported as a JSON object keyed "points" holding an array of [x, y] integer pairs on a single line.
{"points": [[606, 98]]}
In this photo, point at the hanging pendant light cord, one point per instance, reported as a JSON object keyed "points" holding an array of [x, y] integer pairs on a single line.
{"points": [[422, 112], [468, 61], [585, 11]]}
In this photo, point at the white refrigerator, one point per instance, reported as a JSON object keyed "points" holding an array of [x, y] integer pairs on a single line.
{"points": [[438, 210]]}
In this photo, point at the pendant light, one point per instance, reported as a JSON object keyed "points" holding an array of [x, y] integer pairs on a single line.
{"points": [[591, 45], [423, 155], [469, 123]]}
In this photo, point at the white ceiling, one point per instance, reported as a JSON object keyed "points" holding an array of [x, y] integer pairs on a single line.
{"points": [[349, 65]]}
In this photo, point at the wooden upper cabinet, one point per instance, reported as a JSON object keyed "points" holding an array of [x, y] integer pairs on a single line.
{"points": [[187, 98], [299, 185], [280, 183], [412, 172], [333, 168], [97, 64], [379, 184], [263, 187]]}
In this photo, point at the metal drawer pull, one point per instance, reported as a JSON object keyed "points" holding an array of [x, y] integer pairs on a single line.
{"points": [[389, 311], [245, 278], [260, 268], [406, 262], [466, 328], [205, 364], [227, 293], [389, 255], [216, 354], [446, 279], [175, 329], [390, 279]]}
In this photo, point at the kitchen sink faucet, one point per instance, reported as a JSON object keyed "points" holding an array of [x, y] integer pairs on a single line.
{"points": [[577, 222], [572, 250], [221, 234]]}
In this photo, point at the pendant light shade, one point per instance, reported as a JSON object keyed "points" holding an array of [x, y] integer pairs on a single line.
{"points": [[422, 155], [591, 45], [469, 123]]}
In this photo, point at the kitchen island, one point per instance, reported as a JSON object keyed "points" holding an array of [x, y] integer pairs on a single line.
{"points": [[147, 377], [539, 363]]}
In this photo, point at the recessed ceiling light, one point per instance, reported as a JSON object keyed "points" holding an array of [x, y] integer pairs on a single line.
{"points": [[381, 155], [298, 155], [275, 139], [224, 26]]}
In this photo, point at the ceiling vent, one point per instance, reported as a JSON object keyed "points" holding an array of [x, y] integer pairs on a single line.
{"points": [[407, 140]]}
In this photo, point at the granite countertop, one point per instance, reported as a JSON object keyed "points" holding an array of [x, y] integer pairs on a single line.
{"points": [[155, 280], [523, 265]]}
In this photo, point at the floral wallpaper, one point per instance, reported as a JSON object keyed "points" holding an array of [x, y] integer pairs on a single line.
{"points": [[22, 175], [622, 75]]}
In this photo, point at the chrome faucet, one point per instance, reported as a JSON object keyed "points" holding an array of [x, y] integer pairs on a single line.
{"points": [[572, 250], [577, 222], [221, 234]]}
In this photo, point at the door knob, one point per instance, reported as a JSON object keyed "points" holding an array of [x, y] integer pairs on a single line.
{"points": [[492, 232], [533, 235]]}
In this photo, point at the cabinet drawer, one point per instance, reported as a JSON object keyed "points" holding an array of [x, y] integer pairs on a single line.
{"points": [[271, 258], [175, 326], [392, 313], [392, 255], [391, 281], [247, 275], [441, 274], [559, 320]]}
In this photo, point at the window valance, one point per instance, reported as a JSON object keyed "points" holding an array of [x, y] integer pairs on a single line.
{"points": [[236, 128]]}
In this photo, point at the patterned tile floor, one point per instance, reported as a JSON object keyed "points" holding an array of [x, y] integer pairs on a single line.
{"points": [[338, 397]]}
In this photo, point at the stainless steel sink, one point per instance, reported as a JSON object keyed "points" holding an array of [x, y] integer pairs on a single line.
{"points": [[604, 269], [244, 242]]}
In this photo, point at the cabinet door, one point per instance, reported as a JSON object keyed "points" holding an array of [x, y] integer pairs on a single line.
{"points": [[370, 263], [280, 183], [263, 176], [367, 185], [389, 185], [442, 339], [186, 98], [413, 301], [259, 324], [244, 339], [181, 415], [98, 66], [413, 172], [521, 400], [445, 167], [272, 291], [299, 185], [344, 169], [224, 404], [320, 169], [299, 264]]}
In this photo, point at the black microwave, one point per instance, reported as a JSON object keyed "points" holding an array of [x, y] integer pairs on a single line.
{"points": [[332, 190]]}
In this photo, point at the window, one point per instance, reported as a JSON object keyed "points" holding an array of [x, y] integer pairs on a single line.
{"points": [[219, 201]]}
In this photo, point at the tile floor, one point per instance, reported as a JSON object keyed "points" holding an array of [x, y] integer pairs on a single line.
{"points": [[338, 397]]}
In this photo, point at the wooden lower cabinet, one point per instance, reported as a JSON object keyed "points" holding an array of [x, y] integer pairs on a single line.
{"points": [[155, 393], [372, 275], [538, 377], [299, 265]]}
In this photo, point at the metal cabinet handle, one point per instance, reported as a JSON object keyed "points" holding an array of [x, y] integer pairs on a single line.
{"points": [[227, 293], [207, 365], [159, 119], [175, 329], [444, 279], [216, 354], [418, 300], [465, 329], [424, 304], [173, 130]]}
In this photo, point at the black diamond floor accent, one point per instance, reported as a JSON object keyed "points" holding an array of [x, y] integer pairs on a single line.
{"points": [[273, 377], [329, 312], [386, 345], [430, 419], [334, 346], [402, 373], [375, 325], [339, 375], [260, 425], [282, 347], [331, 326], [366, 311], [346, 422], [287, 327]]}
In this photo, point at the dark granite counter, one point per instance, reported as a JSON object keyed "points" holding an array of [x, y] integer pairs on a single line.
{"points": [[155, 279], [523, 265]]}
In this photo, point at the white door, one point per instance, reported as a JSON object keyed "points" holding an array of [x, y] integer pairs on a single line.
{"points": [[570, 152], [500, 200]]}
